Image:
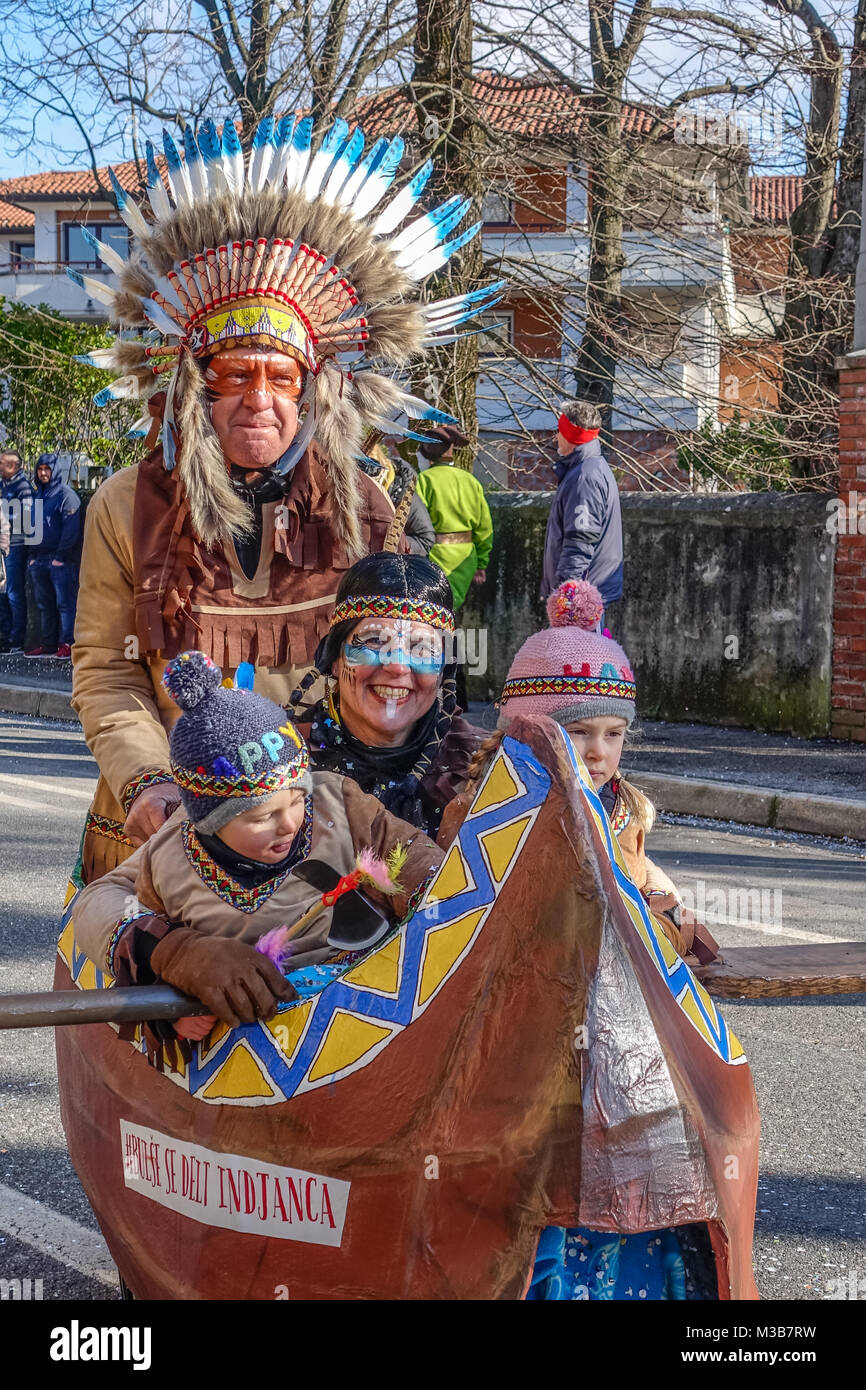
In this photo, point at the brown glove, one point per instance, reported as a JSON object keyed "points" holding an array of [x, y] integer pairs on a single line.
{"points": [[230, 978]]}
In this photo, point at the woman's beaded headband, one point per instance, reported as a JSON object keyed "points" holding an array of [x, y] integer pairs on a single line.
{"points": [[411, 610]]}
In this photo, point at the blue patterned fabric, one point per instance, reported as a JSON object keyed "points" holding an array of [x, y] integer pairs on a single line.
{"points": [[579, 1264]]}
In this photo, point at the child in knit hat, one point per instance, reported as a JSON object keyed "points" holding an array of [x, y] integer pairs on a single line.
{"points": [[583, 680], [189, 906]]}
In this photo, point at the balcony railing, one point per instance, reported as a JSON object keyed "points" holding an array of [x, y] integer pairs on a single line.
{"points": [[511, 395]]}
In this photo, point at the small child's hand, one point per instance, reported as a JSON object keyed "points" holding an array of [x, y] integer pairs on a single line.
{"points": [[194, 1028]]}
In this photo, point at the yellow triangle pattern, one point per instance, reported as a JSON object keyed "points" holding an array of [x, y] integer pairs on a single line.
{"points": [[380, 971], [71, 890], [500, 786], [453, 877], [87, 978], [667, 950], [286, 1029], [239, 1078], [689, 1005], [209, 1045], [501, 845], [347, 1040], [64, 945], [444, 948]]}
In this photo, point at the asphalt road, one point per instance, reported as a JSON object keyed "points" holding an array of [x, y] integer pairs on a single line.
{"points": [[806, 1056]]}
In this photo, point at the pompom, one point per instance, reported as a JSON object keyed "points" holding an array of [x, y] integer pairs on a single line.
{"points": [[188, 678], [575, 604]]}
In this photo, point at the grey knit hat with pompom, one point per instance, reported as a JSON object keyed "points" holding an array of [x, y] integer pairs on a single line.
{"points": [[230, 749]]}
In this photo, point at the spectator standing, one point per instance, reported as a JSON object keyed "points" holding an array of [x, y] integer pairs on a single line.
{"points": [[584, 529], [394, 477], [54, 566], [16, 500], [458, 510]]}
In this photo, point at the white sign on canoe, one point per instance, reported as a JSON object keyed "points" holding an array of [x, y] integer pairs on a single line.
{"points": [[232, 1191]]}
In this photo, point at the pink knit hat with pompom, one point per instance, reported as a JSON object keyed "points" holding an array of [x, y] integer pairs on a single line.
{"points": [[570, 671]]}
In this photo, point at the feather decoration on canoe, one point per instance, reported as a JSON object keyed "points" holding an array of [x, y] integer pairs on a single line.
{"points": [[370, 871]]}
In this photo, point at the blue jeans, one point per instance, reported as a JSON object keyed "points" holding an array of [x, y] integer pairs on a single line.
{"points": [[56, 589], [13, 604]]}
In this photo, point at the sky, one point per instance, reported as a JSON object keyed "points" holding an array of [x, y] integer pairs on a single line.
{"points": [[43, 141]]}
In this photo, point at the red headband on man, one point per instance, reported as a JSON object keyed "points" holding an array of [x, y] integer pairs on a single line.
{"points": [[573, 433]]}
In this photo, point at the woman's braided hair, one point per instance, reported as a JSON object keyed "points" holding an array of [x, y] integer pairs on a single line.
{"points": [[399, 577]]}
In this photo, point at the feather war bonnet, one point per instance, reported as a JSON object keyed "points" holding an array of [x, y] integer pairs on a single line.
{"points": [[296, 250]]}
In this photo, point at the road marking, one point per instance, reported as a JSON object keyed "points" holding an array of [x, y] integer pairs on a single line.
{"points": [[46, 757], [7, 800], [771, 929], [54, 788], [56, 1235]]}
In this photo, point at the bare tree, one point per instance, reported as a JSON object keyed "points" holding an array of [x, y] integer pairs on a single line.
{"points": [[824, 234], [107, 73], [449, 131]]}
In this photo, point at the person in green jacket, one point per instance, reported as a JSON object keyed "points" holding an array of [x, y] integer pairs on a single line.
{"points": [[458, 510]]}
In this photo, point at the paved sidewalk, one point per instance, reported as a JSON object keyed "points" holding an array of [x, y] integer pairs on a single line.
{"points": [[43, 672]]}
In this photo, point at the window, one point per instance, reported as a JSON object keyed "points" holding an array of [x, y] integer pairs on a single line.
{"points": [[497, 207], [76, 250], [498, 332], [22, 254]]}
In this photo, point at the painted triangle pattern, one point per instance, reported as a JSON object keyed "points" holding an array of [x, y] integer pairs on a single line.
{"points": [[689, 993]]}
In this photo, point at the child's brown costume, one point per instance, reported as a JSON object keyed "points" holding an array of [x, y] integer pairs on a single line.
{"points": [[172, 880]]}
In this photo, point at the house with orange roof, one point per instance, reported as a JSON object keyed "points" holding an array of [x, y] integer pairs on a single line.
{"points": [[42, 236], [704, 251]]}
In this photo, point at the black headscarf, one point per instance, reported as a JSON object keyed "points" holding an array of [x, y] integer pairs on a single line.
{"points": [[392, 775]]}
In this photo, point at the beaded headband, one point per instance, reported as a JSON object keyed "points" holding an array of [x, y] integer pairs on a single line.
{"points": [[568, 685], [412, 610], [205, 784]]}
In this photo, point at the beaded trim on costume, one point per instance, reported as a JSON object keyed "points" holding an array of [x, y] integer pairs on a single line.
{"points": [[384, 607], [417, 894], [568, 685], [138, 784], [205, 784], [227, 888], [103, 825], [620, 818], [124, 922]]}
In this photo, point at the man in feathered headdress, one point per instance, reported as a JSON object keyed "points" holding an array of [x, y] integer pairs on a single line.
{"points": [[262, 286]]}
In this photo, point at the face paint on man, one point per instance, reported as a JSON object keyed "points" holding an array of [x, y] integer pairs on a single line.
{"points": [[254, 396]]}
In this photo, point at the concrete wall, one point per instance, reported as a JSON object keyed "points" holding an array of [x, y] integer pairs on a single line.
{"points": [[727, 611]]}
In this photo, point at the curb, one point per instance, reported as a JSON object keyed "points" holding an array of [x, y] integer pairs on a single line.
{"points": [[685, 796], [805, 812], [30, 699]]}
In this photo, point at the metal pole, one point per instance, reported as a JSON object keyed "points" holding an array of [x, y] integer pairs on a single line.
{"points": [[63, 1006]]}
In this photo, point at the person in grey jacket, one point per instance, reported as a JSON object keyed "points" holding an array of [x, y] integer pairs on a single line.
{"points": [[584, 529]]}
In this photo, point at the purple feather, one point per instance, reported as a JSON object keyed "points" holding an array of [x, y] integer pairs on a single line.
{"points": [[276, 947]]}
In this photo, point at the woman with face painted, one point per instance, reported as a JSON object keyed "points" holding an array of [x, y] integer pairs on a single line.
{"points": [[390, 718]]}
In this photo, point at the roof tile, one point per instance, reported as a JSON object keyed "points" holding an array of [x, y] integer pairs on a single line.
{"points": [[14, 219], [774, 197]]}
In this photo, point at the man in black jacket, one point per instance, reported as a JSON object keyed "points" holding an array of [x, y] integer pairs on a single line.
{"points": [[584, 529], [54, 562], [16, 499]]}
